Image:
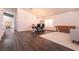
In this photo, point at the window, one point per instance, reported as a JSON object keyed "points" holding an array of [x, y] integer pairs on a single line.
{"points": [[49, 23]]}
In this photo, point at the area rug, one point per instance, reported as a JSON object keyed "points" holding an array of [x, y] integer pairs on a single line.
{"points": [[62, 39]]}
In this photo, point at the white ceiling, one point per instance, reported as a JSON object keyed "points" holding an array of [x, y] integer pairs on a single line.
{"points": [[10, 10], [43, 12], [46, 12]]}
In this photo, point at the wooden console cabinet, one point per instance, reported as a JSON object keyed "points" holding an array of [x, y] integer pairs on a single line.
{"points": [[65, 29]]}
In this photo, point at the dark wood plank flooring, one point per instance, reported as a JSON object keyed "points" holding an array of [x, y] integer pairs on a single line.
{"points": [[28, 41]]}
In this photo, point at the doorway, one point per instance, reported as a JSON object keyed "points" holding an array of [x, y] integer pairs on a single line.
{"points": [[8, 20]]}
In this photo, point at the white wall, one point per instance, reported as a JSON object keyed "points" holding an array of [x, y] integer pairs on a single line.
{"points": [[24, 20], [1, 17], [68, 18]]}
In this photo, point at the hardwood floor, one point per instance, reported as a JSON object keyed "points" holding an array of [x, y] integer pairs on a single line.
{"points": [[28, 41]]}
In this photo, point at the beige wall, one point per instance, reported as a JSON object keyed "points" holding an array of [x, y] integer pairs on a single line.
{"points": [[68, 18], [24, 20], [1, 17]]}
